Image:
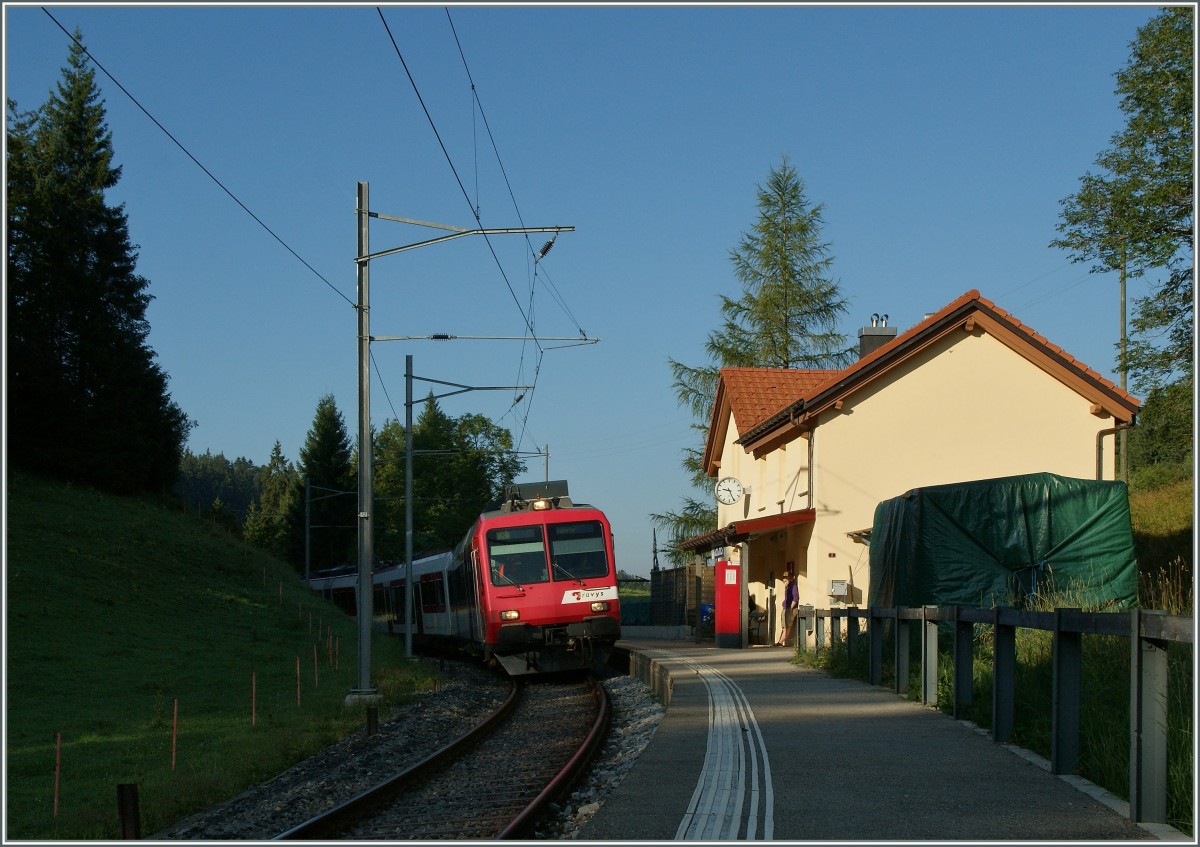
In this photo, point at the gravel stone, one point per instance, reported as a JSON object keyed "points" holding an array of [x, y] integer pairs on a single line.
{"points": [[635, 717], [412, 733]]}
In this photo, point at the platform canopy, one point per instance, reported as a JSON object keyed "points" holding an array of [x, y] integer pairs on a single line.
{"points": [[739, 531]]}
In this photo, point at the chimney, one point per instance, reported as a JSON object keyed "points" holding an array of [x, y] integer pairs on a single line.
{"points": [[871, 338]]}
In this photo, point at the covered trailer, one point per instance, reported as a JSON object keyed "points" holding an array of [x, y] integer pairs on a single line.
{"points": [[999, 541]]}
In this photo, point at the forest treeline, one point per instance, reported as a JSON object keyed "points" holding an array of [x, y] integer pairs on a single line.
{"points": [[88, 401]]}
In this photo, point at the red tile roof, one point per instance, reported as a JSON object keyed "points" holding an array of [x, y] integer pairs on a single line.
{"points": [[757, 393]]}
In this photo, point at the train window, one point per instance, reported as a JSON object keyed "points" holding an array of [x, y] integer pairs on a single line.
{"points": [[577, 550], [433, 594], [517, 555]]}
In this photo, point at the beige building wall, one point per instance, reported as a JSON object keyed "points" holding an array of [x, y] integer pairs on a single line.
{"points": [[937, 419], [775, 484]]}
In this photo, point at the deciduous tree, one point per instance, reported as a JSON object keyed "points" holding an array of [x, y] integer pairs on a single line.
{"points": [[460, 468], [1136, 215]]}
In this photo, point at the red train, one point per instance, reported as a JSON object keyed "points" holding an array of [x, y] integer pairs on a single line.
{"points": [[531, 586]]}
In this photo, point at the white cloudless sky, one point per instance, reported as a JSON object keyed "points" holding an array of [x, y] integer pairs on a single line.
{"points": [[940, 140]]}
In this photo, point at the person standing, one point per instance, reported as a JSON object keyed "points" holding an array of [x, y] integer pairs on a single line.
{"points": [[791, 603]]}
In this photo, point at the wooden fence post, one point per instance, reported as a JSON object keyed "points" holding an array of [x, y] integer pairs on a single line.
{"points": [[128, 811], [57, 767]]}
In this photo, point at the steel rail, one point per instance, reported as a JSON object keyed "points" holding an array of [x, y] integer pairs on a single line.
{"points": [[558, 786], [329, 823]]}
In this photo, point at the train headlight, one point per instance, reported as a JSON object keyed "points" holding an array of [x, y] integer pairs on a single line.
{"points": [[540, 505], [510, 615], [600, 606]]}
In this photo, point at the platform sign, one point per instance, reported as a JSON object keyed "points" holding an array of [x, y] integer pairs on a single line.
{"points": [[728, 624]]}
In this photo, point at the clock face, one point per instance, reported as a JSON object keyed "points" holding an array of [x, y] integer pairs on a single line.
{"points": [[729, 491]]}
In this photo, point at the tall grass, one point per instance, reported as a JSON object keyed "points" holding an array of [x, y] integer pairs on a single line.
{"points": [[135, 635]]}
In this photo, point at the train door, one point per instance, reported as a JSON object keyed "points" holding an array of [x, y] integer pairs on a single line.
{"points": [[477, 622]]}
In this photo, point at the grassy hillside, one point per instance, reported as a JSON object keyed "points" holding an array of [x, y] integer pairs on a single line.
{"points": [[129, 624]]}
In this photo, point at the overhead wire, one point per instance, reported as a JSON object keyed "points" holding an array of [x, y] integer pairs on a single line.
{"points": [[475, 208], [197, 162], [453, 169], [538, 254], [528, 312], [383, 385], [477, 104]]}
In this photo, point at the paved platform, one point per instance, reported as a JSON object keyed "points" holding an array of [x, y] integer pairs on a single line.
{"points": [[755, 747]]}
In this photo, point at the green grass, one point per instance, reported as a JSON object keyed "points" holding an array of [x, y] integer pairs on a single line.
{"points": [[119, 609]]}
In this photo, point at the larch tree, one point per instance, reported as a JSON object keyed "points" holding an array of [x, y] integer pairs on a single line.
{"points": [[785, 317], [87, 400]]}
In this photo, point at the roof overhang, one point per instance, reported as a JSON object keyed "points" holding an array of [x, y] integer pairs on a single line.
{"points": [[740, 531]]}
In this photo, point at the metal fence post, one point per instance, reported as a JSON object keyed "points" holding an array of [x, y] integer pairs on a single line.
{"points": [[875, 631], [902, 653], [1064, 731], [1147, 725], [929, 658], [1004, 674], [964, 661]]}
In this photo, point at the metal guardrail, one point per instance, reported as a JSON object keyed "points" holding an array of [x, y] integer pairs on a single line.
{"points": [[1150, 633]]}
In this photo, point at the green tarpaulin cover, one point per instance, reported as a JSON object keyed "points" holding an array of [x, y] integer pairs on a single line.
{"points": [[994, 542]]}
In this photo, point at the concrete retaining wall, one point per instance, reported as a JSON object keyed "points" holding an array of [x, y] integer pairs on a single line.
{"points": [[653, 673]]}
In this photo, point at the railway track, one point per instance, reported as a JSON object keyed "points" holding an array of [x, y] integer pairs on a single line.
{"points": [[492, 783]]}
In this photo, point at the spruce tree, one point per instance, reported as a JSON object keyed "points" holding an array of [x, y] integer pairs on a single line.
{"points": [[86, 399], [266, 523], [389, 491], [325, 464]]}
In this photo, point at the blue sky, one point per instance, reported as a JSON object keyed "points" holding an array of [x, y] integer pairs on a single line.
{"points": [[939, 139]]}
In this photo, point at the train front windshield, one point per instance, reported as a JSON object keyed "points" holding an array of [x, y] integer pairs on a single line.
{"points": [[518, 554]]}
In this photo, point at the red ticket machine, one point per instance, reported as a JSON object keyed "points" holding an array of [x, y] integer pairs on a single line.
{"points": [[728, 600]]}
